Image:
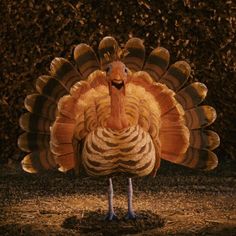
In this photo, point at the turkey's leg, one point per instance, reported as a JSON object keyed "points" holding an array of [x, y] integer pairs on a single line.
{"points": [[111, 214], [130, 214]]}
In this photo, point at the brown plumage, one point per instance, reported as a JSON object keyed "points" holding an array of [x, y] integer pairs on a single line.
{"points": [[118, 113]]}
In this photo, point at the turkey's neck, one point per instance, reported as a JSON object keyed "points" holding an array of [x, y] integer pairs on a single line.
{"points": [[117, 105], [118, 119]]}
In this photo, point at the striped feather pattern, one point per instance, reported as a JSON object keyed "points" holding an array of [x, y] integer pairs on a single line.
{"points": [[65, 72], [107, 50], [130, 151], [41, 105], [134, 58], [36, 162], [157, 63], [86, 59], [201, 159], [192, 95], [204, 139], [33, 141], [176, 75], [200, 117], [34, 123], [51, 87]]}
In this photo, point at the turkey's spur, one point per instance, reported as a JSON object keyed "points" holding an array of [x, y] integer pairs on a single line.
{"points": [[117, 114]]}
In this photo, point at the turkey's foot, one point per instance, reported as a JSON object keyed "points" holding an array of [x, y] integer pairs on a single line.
{"points": [[111, 216], [131, 216]]}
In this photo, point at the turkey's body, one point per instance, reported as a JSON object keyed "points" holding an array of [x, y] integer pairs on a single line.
{"points": [[117, 115], [129, 151]]}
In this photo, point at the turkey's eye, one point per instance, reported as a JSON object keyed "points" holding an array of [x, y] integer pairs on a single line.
{"points": [[108, 69]]}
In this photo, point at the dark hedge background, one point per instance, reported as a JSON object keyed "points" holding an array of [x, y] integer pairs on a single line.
{"points": [[33, 32]]}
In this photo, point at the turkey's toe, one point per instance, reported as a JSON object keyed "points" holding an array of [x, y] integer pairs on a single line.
{"points": [[131, 216], [111, 216]]}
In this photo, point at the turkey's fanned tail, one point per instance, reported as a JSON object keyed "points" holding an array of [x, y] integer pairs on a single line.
{"points": [[182, 136], [43, 109]]}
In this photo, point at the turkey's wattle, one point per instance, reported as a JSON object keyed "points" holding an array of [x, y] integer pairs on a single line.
{"points": [[113, 115]]}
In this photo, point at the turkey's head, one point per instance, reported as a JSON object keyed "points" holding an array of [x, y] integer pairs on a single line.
{"points": [[117, 75]]}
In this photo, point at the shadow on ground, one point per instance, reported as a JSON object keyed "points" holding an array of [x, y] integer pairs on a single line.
{"points": [[94, 222]]}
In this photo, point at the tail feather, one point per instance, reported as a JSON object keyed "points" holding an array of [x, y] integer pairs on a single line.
{"points": [[201, 159], [33, 141], [199, 117], [174, 114], [62, 133], [38, 162], [157, 63], [61, 149], [51, 87], [86, 60], [204, 139], [134, 58], [34, 123], [107, 49], [166, 103], [65, 72], [192, 95], [41, 105], [66, 162], [174, 141], [176, 75]]}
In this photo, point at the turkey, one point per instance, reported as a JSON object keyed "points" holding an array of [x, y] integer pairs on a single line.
{"points": [[117, 113]]}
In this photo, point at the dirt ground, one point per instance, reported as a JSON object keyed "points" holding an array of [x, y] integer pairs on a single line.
{"points": [[177, 202]]}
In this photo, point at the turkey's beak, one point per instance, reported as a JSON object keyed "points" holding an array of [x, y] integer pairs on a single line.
{"points": [[117, 84]]}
